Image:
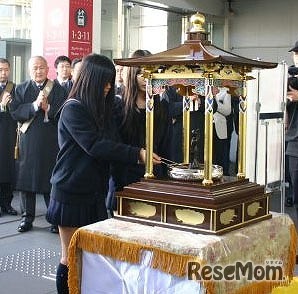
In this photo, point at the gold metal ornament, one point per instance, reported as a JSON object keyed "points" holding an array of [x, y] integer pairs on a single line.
{"points": [[149, 129], [141, 209], [208, 135], [253, 208], [227, 216], [242, 132], [189, 216]]}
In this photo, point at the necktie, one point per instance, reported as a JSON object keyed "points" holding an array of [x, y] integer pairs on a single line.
{"points": [[65, 84]]}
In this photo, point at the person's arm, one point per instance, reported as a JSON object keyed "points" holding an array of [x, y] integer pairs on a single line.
{"points": [[292, 94], [81, 127], [20, 109]]}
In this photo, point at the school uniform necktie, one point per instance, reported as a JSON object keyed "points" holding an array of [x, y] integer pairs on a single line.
{"points": [[66, 84]]}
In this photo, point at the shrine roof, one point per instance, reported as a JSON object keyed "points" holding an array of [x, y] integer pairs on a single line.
{"points": [[193, 53]]}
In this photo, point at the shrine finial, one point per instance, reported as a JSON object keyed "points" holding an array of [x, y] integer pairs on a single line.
{"points": [[197, 21]]}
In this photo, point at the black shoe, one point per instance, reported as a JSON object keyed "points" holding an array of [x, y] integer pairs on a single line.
{"points": [[9, 210], [54, 229], [24, 227]]}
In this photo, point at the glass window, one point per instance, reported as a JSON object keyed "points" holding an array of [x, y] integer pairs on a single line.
{"points": [[15, 31], [6, 11], [153, 30]]}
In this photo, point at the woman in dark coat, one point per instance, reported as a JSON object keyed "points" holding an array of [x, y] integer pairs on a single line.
{"points": [[133, 121], [87, 145], [130, 116]]}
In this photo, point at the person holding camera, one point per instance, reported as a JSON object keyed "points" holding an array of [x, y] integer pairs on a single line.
{"points": [[292, 126]]}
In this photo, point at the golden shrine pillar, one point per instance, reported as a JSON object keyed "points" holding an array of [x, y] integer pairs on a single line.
{"points": [[186, 126], [149, 128], [242, 131], [208, 133]]}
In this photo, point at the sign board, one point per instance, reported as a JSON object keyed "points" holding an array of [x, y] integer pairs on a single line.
{"points": [[67, 30]]}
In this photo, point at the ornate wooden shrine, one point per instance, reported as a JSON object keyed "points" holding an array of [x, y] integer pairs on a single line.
{"points": [[211, 205]]}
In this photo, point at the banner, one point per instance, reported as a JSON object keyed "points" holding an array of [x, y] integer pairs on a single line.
{"points": [[67, 30], [55, 32], [80, 28]]}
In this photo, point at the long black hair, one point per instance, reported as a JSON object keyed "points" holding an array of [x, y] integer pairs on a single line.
{"points": [[131, 129], [131, 88], [131, 94], [95, 73]]}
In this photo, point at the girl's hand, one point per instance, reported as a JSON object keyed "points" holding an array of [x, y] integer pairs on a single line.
{"points": [[142, 157]]}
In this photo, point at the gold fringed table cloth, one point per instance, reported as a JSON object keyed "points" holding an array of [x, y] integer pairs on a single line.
{"points": [[115, 256]]}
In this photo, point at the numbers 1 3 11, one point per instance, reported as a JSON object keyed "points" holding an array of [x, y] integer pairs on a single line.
{"points": [[81, 36]]}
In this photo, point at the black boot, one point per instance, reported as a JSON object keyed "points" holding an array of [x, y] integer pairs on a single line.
{"points": [[62, 279]]}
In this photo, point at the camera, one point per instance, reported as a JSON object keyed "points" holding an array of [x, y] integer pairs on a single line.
{"points": [[292, 79]]}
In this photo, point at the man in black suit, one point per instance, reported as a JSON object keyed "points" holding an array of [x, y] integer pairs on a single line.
{"points": [[8, 138], [35, 107], [63, 69]]}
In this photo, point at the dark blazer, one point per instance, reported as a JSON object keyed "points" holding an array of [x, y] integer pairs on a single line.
{"points": [[135, 134], [39, 145], [7, 142], [197, 122], [82, 166], [66, 86]]}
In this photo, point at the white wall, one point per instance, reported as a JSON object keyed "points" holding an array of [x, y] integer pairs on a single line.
{"points": [[108, 30], [264, 28], [96, 44], [258, 28], [37, 27], [267, 91], [214, 7]]}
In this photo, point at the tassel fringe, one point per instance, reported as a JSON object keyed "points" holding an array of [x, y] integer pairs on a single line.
{"points": [[168, 262], [266, 287], [165, 261]]}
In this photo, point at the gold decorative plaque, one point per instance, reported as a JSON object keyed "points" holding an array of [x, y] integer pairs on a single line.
{"points": [[141, 209], [181, 69], [228, 72], [189, 216], [227, 216], [253, 208]]}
